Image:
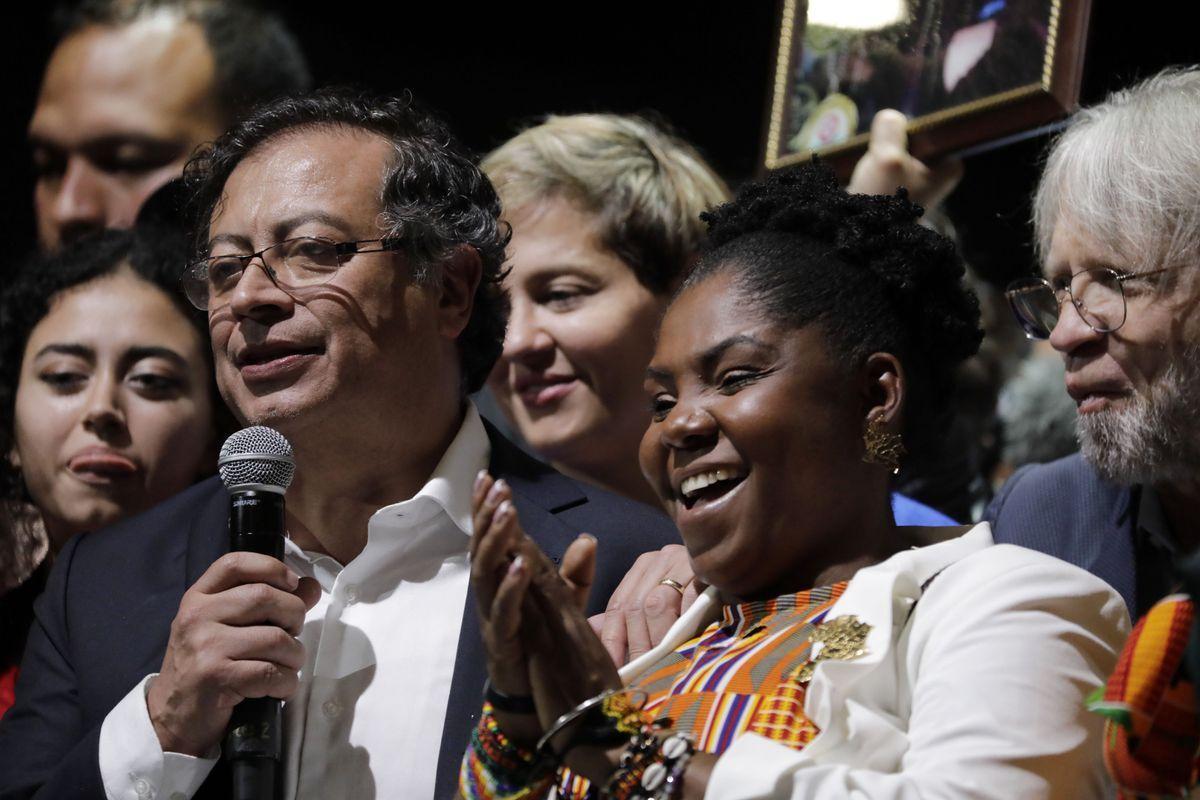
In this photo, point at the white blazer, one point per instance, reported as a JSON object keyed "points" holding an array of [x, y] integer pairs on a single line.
{"points": [[978, 661]]}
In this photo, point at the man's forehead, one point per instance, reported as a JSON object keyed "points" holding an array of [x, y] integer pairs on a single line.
{"points": [[1075, 246], [303, 173], [154, 77]]}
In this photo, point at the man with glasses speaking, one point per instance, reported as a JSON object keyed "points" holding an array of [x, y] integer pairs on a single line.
{"points": [[1117, 218], [350, 265]]}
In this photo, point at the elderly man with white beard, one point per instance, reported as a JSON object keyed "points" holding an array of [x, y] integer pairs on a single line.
{"points": [[1117, 217]]}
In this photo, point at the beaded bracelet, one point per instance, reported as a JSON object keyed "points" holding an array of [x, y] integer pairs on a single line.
{"points": [[497, 767], [663, 779], [651, 769], [641, 752]]}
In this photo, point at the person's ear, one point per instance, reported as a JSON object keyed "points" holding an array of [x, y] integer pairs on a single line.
{"points": [[884, 389], [460, 274]]}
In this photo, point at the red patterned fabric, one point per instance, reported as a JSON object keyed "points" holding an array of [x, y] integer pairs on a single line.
{"points": [[8, 685]]}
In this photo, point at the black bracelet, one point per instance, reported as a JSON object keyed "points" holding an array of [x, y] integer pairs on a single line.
{"points": [[508, 703]]}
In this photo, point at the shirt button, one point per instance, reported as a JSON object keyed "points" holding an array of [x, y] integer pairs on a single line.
{"points": [[142, 787], [351, 594], [331, 708]]}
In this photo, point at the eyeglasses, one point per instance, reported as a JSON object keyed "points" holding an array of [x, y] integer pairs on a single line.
{"points": [[1097, 294], [290, 264]]}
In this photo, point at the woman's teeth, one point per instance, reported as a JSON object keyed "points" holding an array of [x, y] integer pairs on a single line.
{"points": [[696, 483]]}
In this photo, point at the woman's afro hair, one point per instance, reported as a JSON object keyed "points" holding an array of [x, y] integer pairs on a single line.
{"points": [[801, 250]]}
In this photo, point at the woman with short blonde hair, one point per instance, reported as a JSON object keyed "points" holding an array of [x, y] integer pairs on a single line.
{"points": [[605, 211]]}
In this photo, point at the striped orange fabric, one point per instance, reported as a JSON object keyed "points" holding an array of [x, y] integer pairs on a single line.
{"points": [[739, 675], [1152, 733]]}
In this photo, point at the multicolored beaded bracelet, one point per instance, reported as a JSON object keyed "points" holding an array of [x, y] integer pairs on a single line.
{"points": [[496, 767]]}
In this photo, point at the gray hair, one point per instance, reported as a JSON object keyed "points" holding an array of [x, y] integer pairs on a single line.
{"points": [[1154, 438], [646, 186], [1127, 171]]}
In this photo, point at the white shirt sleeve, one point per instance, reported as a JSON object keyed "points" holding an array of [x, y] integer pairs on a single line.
{"points": [[999, 660], [133, 765]]}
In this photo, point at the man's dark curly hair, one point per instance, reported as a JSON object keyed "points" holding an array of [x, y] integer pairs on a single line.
{"points": [[434, 197], [802, 251], [153, 253]]}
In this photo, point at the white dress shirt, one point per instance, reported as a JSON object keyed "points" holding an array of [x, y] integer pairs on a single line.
{"points": [[380, 646]]}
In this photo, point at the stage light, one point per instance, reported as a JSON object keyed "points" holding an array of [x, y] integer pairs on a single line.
{"points": [[862, 15]]}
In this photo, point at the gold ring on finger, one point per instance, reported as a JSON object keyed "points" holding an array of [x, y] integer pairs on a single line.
{"points": [[676, 585]]}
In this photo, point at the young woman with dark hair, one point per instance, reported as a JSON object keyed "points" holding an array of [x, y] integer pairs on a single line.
{"points": [[107, 404]]}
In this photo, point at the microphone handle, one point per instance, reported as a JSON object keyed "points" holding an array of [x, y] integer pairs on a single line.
{"points": [[254, 740]]}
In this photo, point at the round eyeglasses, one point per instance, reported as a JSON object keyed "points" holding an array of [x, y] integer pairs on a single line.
{"points": [[1097, 294], [290, 264]]}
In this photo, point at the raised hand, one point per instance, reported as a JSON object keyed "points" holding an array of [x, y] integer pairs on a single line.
{"points": [[234, 637], [538, 641], [887, 165], [500, 577]]}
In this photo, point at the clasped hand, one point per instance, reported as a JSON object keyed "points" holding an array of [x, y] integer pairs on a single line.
{"points": [[538, 641]]}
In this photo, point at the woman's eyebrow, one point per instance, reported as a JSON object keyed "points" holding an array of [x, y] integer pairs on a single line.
{"points": [[68, 349], [713, 354], [135, 354]]}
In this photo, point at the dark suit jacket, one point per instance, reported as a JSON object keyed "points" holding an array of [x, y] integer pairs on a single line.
{"points": [[102, 624], [1066, 509]]}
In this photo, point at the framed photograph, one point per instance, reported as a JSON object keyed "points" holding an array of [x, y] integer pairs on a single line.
{"points": [[965, 72]]}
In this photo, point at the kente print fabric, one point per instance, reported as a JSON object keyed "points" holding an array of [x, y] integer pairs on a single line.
{"points": [[1152, 732], [743, 674]]}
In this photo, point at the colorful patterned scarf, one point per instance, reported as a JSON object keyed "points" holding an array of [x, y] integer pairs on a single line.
{"points": [[1152, 732]]}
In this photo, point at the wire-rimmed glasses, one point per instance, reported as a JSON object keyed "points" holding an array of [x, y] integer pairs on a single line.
{"points": [[290, 264], [1097, 294]]}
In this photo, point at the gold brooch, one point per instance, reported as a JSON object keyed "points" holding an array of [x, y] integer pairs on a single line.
{"points": [[841, 639]]}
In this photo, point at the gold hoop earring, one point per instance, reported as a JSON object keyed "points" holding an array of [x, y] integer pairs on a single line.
{"points": [[882, 446]]}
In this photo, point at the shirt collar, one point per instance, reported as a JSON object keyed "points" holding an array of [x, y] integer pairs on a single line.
{"points": [[448, 490], [452, 480]]}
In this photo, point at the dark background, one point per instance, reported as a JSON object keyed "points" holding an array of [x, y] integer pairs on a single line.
{"points": [[703, 66]]}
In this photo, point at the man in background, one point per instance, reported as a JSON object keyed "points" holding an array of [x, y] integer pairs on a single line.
{"points": [[132, 87], [1117, 218]]}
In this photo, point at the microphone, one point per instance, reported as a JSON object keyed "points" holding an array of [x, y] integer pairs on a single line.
{"points": [[256, 466]]}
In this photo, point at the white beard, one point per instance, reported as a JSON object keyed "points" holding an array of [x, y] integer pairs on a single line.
{"points": [[1154, 437]]}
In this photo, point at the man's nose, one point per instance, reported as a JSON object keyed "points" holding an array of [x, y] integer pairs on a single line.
{"points": [[258, 297], [81, 204], [1070, 330]]}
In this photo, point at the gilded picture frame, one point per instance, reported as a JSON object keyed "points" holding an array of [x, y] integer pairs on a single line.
{"points": [[965, 72]]}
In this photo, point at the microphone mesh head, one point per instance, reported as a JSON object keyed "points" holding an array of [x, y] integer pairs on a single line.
{"points": [[258, 456]]}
